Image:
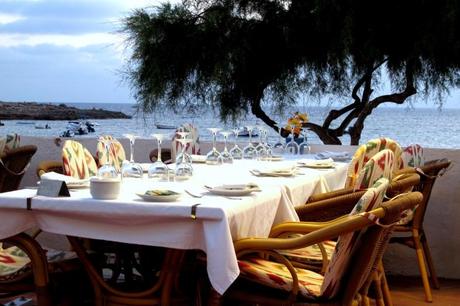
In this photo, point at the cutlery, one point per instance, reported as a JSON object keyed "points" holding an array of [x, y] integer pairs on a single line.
{"points": [[200, 195]]}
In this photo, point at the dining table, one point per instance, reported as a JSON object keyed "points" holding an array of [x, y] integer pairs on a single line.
{"points": [[199, 219]]}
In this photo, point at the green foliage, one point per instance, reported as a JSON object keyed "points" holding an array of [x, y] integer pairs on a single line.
{"points": [[235, 54]]}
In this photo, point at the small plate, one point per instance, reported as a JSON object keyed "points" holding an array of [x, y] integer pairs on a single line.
{"points": [[273, 158], [225, 191], [273, 173], [159, 198], [77, 185], [317, 165]]}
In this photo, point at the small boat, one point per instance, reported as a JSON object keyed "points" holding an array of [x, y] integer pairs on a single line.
{"points": [[25, 122], [77, 128], [42, 127], [2, 124], [165, 126], [245, 133], [67, 133]]}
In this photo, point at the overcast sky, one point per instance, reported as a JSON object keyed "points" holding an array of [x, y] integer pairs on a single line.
{"points": [[68, 51]]}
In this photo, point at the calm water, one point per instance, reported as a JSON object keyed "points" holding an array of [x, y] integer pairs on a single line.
{"points": [[428, 127]]}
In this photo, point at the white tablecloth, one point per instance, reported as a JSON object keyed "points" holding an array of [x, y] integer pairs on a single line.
{"points": [[219, 221]]}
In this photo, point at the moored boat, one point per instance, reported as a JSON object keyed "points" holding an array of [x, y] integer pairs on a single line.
{"points": [[165, 126]]}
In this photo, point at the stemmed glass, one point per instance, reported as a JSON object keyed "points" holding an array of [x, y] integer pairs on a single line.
{"points": [[279, 146], [225, 155], [236, 151], [183, 153], [292, 146], [107, 170], [304, 147], [249, 152], [184, 168], [261, 148], [213, 157], [159, 170], [130, 168]]}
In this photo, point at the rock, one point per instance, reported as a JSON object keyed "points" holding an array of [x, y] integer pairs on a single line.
{"points": [[48, 111]]}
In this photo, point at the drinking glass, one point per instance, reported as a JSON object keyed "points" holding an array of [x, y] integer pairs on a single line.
{"points": [[249, 152], [304, 147], [261, 147], [225, 155], [292, 146], [131, 168], [107, 170], [183, 153], [159, 170], [213, 157], [184, 168], [279, 146], [236, 151]]}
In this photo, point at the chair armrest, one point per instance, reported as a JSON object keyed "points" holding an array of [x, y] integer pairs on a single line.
{"points": [[329, 195], [300, 227]]}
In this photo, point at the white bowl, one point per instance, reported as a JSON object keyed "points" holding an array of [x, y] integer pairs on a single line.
{"points": [[104, 188]]}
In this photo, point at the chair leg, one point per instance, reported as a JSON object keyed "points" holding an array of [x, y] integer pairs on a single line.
{"points": [[385, 289], [379, 301], [422, 265], [429, 260]]}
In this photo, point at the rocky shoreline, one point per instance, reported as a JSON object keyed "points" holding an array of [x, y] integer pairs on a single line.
{"points": [[49, 111]]}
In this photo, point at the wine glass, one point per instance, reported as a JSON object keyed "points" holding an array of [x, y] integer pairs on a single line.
{"points": [[236, 151], [292, 146], [159, 170], [213, 157], [227, 158], [249, 152], [107, 170], [304, 147], [279, 146], [184, 168], [261, 147], [130, 168]]}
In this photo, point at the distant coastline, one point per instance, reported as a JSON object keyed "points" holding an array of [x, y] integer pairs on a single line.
{"points": [[52, 111]]}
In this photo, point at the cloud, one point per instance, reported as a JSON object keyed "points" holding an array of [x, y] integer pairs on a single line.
{"points": [[76, 41], [6, 18]]}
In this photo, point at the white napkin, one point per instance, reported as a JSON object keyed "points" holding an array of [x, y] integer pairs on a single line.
{"points": [[54, 176], [337, 156], [329, 162], [276, 168]]}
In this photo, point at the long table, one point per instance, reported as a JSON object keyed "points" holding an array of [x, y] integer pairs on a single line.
{"points": [[219, 220]]}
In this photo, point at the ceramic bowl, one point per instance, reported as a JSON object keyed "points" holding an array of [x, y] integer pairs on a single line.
{"points": [[104, 188]]}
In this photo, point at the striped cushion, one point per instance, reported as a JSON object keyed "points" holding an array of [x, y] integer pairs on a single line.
{"points": [[413, 156], [9, 142], [310, 255], [380, 165], [276, 275], [14, 261], [77, 160], [116, 154], [365, 152], [372, 199]]}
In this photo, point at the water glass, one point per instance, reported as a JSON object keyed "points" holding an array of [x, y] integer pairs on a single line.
{"points": [[304, 147], [131, 168], [292, 147], [249, 152], [184, 169], [225, 155], [107, 170], [279, 146]]}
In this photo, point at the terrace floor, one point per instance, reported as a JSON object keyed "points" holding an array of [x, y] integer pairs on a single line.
{"points": [[406, 291]]}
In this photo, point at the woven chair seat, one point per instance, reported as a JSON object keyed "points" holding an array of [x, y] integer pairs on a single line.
{"points": [[276, 275], [310, 255], [14, 261]]}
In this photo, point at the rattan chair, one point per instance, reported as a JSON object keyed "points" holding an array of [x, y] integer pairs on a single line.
{"points": [[417, 238], [13, 166], [365, 255]]}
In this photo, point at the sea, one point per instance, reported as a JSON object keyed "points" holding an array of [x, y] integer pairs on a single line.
{"points": [[429, 127]]}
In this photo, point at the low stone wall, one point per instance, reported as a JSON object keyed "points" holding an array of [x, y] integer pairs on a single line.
{"points": [[441, 221]]}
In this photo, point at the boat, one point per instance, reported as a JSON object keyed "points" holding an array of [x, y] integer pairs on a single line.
{"points": [[77, 127], [2, 124], [165, 126], [42, 127], [243, 132], [90, 126], [67, 133], [25, 122]]}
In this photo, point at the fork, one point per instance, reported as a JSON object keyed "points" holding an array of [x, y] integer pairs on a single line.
{"points": [[200, 195]]}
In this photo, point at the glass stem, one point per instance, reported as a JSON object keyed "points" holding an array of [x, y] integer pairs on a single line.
{"points": [[225, 143], [213, 141], [250, 137], [131, 142], [159, 150]]}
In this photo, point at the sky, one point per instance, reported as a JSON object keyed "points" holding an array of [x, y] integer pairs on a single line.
{"points": [[70, 51]]}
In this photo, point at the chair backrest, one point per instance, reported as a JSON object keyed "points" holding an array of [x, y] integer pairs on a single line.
{"points": [[116, 154], [379, 165], [341, 257], [366, 152], [194, 146], [412, 156], [9, 142], [13, 165], [77, 160]]}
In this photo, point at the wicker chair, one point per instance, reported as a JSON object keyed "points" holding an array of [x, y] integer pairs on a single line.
{"points": [[13, 165], [364, 258], [416, 238]]}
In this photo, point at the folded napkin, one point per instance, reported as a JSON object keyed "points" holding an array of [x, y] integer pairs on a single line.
{"points": [[275, 170], [329, 162], [251, 185], [337, 156], [54, 176]]}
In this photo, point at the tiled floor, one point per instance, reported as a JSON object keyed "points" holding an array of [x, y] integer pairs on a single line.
{"points": [[408, 291]]}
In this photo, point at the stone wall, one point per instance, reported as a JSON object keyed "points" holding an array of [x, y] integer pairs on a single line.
{"points": [[441, 222]]}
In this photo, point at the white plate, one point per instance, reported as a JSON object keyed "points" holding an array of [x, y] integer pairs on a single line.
{"points": [[273, 173], [77, 185], [225, 191], [317, 165], [273, 158], [159, 198]]}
